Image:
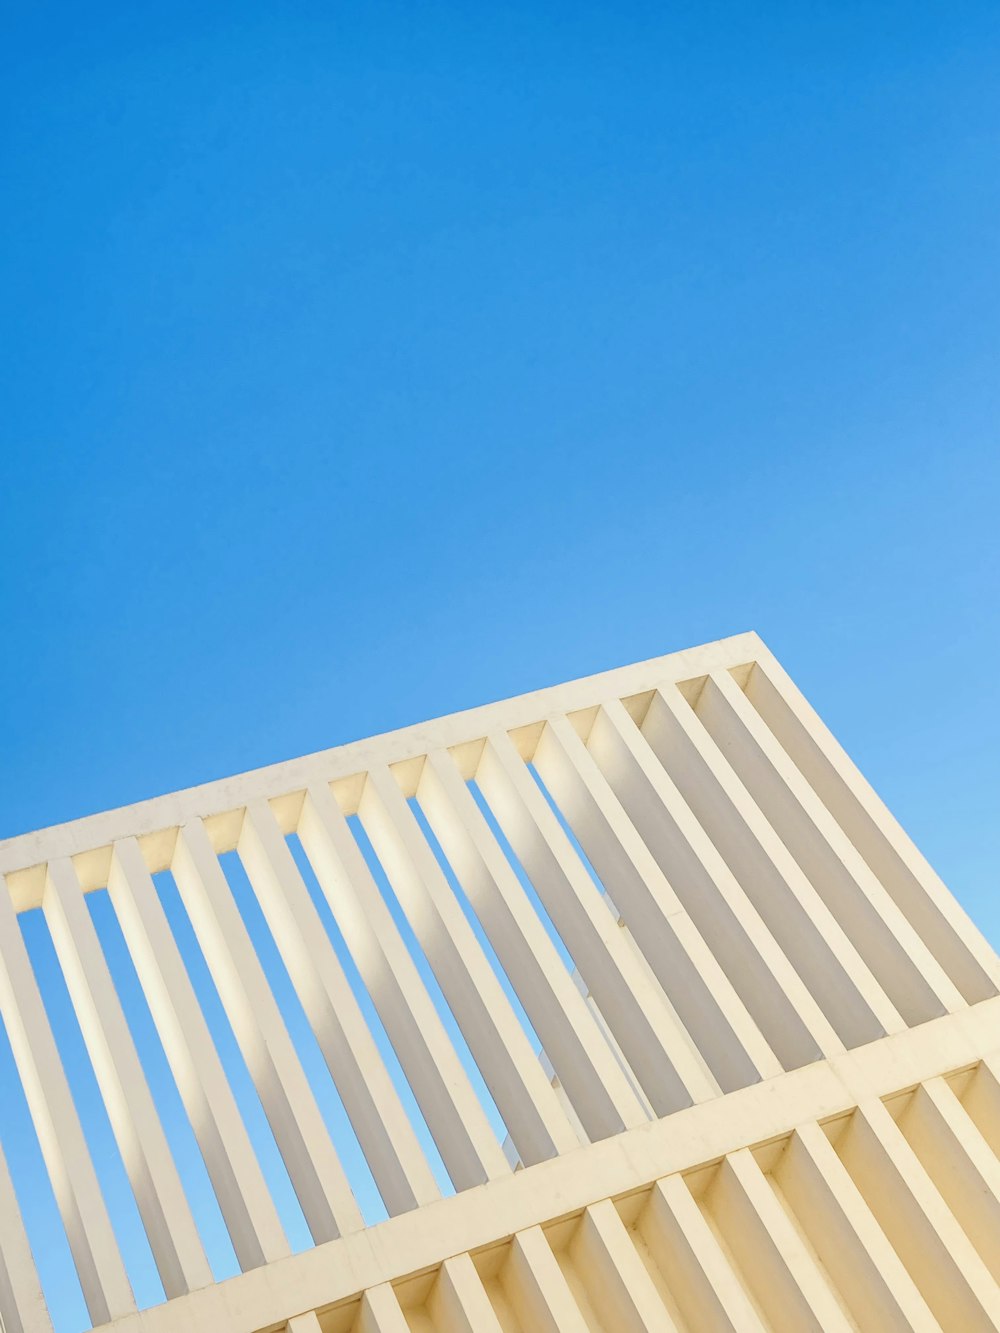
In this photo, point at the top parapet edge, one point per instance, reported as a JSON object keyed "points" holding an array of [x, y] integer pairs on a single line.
{"points": [[26, 851]]}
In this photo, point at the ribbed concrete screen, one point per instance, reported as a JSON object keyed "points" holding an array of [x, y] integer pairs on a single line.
{"points": [[636, 1007]]}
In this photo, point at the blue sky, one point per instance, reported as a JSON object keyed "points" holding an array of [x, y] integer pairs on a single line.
{"points": [[364, 364], [369, 362]]}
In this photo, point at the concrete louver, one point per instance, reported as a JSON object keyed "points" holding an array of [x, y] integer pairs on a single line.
{"points": [[636, 1008]]}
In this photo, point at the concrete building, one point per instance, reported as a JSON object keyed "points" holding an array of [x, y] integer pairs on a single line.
{"points": [[643, 1010]]}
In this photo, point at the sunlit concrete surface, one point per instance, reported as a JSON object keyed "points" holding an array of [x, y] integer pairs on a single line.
{"points": [[638, 1009]]}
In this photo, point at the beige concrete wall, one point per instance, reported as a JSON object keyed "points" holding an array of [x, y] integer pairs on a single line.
{"points": [[767, 1093], [857, 1223]]}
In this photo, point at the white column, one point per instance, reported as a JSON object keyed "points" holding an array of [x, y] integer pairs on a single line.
{"points": [[698, 988], [458, 1302], [981, 1100], [246, 1204], [968, 958], [303, 1323], [380, 1312], [774, 1261], [387, 1138], [303, 1140], [509, 1065], [454, 1115], [844, 1233], [22, 1304], [616, 1278], [164, 1209], [537, 1287], [92, 1242], [959, 1161], [882, 933], [774, 992], [687, 1252], [952, 1278], [661, 1053], [789, 903], [589, 1072]]}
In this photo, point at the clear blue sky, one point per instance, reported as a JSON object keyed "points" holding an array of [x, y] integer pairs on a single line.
{"points": [[365, 365], [367, 362]]}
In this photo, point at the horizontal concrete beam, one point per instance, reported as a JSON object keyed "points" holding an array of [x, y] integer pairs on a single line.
{"points": [[263, 1300], [23, 858]]}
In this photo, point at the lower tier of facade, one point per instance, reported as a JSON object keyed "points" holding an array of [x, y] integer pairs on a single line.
{"points": [[861, 1192]]}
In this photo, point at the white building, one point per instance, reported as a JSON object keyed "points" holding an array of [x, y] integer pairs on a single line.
{"points": [[752, 1084]]}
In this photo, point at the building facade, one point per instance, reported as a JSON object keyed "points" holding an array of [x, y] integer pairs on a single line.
{"points": [[628, 1006]]}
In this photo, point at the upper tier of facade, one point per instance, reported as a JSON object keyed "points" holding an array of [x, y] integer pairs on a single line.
{"points": [[464, 1014]]}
